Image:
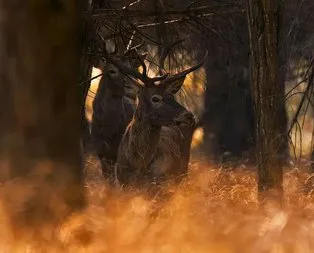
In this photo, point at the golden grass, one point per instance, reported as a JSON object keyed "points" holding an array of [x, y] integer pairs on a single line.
{"points": [[212, 212]]}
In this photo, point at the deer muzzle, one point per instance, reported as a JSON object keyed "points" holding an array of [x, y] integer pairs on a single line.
{"points": [[185, 119]]}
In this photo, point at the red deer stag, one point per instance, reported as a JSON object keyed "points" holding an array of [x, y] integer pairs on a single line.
{"points": [[112, 111], [156, 143]]}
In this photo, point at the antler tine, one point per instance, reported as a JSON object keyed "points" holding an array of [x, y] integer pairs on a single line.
{"points": [[187, 71], [150, 80], [159, 78], [147, 80], [165, 52], [144, 73], [175, 43]]}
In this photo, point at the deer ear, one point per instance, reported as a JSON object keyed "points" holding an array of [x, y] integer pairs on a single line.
{"points": [[175, 85], [111, 47], [98, 62]]}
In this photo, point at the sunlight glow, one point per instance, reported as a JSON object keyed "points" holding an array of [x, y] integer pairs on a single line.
{"points": [[197, 139], [91, 94]]}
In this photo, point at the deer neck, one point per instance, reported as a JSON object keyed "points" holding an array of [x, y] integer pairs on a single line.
{"points": [[143, 114], [143, 137], [106, 99], [108, 110], [106, 93]]}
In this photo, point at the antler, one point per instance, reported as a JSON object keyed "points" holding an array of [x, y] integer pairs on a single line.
{"points": [[147, 81], [150, 81], [182, 74], [165, 51]]}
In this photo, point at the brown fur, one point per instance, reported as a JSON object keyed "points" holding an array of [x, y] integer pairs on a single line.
{"points": [[111, 114], [153, 151], [147, 149]]}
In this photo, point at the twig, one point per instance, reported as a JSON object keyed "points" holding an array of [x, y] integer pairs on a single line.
{"points": [[100, 13], [89, 80]]}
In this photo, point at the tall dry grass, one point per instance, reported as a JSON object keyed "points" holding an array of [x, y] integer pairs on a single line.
{"points": [[212, 211]]}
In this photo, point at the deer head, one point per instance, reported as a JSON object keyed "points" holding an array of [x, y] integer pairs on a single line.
{"points": [[115, 80], [157, 102], [156, 95]]}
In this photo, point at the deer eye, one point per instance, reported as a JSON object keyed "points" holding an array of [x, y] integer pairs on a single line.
{"points": [[156, 99], [112, 72]]}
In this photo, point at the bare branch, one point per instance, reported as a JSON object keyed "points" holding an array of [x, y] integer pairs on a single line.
{"points": [[308, 88], [91, 79], [205, 10]]}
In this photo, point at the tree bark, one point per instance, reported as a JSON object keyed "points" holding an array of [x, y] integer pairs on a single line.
{"points": [[40, 111], [228, 113], [264, 20]]}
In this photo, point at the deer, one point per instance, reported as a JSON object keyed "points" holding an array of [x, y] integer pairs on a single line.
{"points": [[156, 143], [113, 109]]}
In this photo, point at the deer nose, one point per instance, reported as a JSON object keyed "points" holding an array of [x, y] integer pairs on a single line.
{"points": [[185, 119]]}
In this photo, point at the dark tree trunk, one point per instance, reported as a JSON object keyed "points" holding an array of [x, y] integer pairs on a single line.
{"points": [[86, 66], [39, 113], [264, 19], [228, 116], [90, 44]]}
